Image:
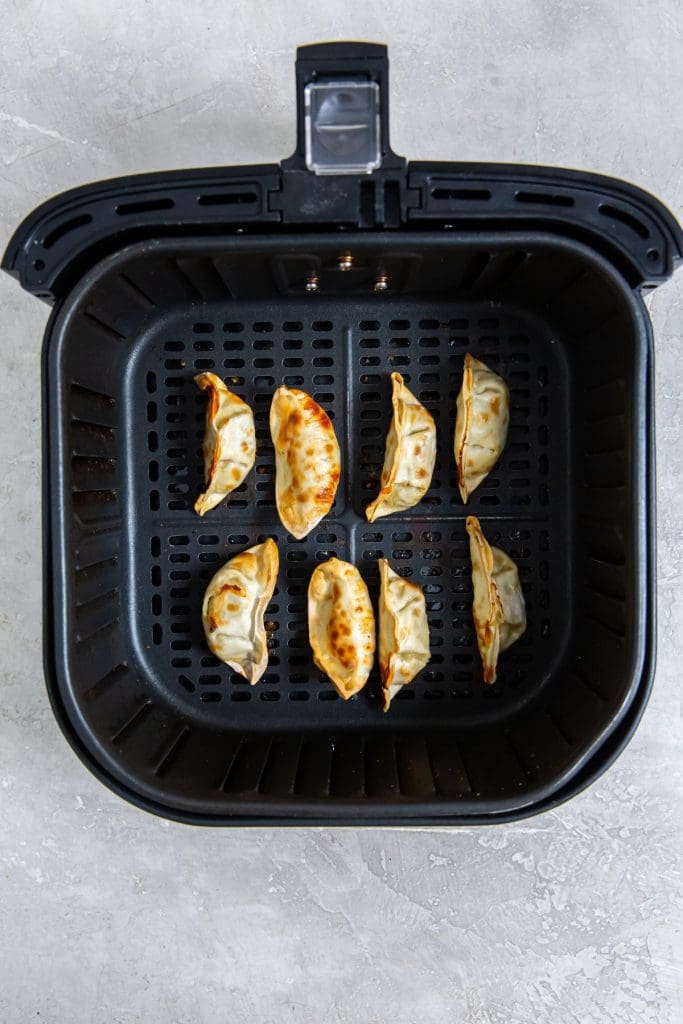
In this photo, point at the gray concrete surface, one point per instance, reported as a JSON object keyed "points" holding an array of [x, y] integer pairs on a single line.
{"points": [[109, 915]]}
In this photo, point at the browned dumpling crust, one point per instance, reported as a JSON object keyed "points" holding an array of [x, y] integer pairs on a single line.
{"points": [[341, 625], [234, 603], [229, 446], [498, 608], [403, 632], [307, 460], [409, 456], [481, 426]]}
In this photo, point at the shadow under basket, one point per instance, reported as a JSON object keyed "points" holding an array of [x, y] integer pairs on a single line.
{"points": [[136, 690]]}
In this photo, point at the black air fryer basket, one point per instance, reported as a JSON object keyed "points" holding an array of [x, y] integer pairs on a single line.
{"points": [[327, 272]]}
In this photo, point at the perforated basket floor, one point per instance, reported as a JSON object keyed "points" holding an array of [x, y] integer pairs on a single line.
{"points": [[344, 361], [134, 683]]}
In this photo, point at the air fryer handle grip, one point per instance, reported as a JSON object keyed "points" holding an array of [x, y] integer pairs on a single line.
{"points": [[358, 64]]}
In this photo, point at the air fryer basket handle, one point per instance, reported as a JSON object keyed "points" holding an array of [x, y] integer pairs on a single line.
{"points": [[344, 175], [329, 67], [343, 170]]}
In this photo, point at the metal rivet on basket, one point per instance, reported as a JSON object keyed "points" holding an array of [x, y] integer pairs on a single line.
{"points": [[345, 262], [382, 283], [312, 283]]}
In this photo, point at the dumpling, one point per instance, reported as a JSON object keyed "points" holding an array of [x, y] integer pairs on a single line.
{"points": [[403, 632], [341, 625], [481, 425], [498, 607], [307, 460], [409, 456], [234, 603], [229, 442]]}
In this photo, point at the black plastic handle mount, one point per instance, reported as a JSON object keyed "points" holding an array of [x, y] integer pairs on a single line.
{"points": [[352, 190], [350, 120]]}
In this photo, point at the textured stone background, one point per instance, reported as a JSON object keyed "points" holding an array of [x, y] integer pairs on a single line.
{"points": [[109, 915]]}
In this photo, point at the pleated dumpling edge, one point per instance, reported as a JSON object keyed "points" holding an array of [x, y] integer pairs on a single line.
{"points": [[233, 609], [481, 425], [498, 606], [229, 445], [409, 457]]}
